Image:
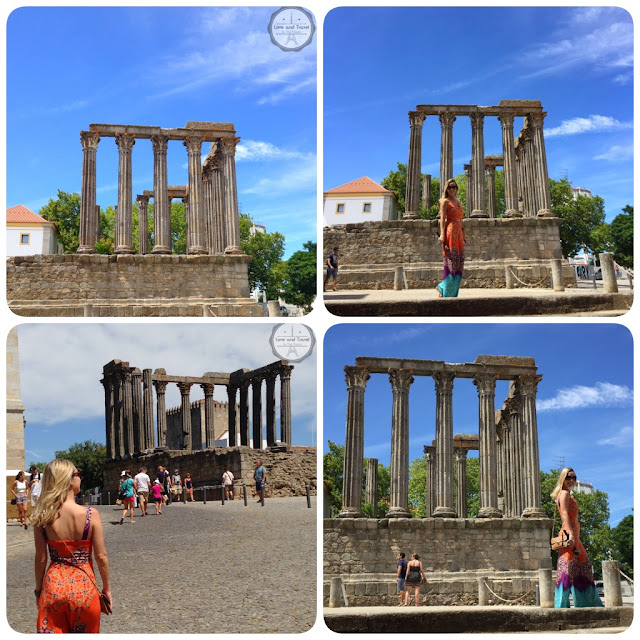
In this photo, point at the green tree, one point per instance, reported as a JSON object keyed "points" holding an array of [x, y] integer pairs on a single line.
{"points": [[38, 465], [90, 457], [333, 468], [601, 239], [396, 181], [300, 278], [622, 538], [622, 237], [383, 493], [65, 213], [418, 487]]}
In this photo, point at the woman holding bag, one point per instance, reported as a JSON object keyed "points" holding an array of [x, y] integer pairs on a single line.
{"points": [[575, 573], [68, 597]]}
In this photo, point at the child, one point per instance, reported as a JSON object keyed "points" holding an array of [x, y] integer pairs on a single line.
{"points": [[156, 491]]}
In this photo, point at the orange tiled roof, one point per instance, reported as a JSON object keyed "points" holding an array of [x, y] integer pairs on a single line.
{"points": [[361, 185], [20, 213]]}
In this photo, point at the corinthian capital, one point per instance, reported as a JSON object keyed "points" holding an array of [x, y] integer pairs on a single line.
{"points": [[447, 119], [477, 120], [506, 118], [159, 142], [125, 141], [416, 118], [401, 379], [193, 145], [228, 146], [444, 381], [356, 377], [89, 140], [185, 387], [528, 384], [486, 383]]}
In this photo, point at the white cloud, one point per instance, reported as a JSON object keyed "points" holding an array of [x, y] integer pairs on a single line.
{"points": [[616, 153], [591, 124], [601, 394], [256, 150], [623, 438], [296, 180]]}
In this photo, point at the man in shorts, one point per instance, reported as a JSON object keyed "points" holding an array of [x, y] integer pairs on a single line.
{"points": [[227, 481], [400, 576], [332, 270], [142, 482], [260, 476]]}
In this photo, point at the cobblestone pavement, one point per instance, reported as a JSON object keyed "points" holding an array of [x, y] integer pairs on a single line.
{"points": [[204, 568]]}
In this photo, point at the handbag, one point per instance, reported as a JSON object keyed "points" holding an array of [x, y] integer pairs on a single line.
{"points": [[561, 541], [14, 501]]}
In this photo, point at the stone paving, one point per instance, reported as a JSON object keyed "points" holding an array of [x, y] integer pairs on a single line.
{"points": [[204, 568]]}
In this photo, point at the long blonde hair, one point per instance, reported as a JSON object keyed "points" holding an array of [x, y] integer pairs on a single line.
{"points": [[558, 488], [56, 480]]}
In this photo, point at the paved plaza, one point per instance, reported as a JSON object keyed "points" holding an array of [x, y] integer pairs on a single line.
{"points": [[203, 568]]}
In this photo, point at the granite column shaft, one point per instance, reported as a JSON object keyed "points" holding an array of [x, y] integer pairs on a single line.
{"points": [[444, 444], [446, 148], [486, 384], [196, 218], [123, 231], [412, 204], [161, 202], [89, 214], [477, 163]]}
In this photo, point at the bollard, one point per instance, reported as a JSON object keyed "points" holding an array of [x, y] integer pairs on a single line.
{"points": [[308, 488], [630, 277], [483, 593], [335, 593], [547, 588], [508, 278], [262, 494], [204, 495], [608, 273], [222, 494], [398, 278], [556, 275], [109, 498], [184, 496], [244, 489], [612, 584]]}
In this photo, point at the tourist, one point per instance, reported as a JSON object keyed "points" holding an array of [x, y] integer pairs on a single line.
{"points": [[452, 238], [414, 578], [575, 573], [188, 486], [260, 477], [156, 492], [20, 492], [227, 481], [332, 269], [165, 482], [176, 485], [35, 485], [128, 492], [68, 595], [141, 483], [400, 576]]}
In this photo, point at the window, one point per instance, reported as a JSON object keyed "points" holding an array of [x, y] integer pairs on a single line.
{"points": [[340, 207], [366, 207], [24, 238]]}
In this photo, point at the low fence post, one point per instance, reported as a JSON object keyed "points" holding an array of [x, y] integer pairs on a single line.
{"points": [[547, 588], [336, 598], [223, 495], [204, 495], [483, 593], [308, 488], [612, 583], [556, 275], [508, 278], [244, 489]]}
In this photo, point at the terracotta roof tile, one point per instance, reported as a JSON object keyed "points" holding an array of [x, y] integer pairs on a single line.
{"points": [[20, 213], [361, 185]]}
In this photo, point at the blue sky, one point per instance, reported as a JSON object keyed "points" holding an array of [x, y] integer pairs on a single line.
{"points": [[584, 401], [61, 368], [70, 67], [379, 63]]}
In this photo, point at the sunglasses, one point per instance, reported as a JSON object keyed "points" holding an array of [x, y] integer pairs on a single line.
{"points": [[77, 474], [571, 477], [452, 186]]}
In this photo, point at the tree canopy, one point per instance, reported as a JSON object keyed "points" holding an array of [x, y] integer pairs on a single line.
{"points": [[90, 457], [621, 230], [622, 537], [65, 213], [300, 280]]}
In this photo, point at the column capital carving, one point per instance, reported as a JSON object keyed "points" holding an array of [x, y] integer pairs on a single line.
{"points": [[401, 379], [460, 453], [447, 118], [89, 140], [490, 169], [477, 119], [185, 387], [444, 381], [537, 119], [125, 141], [270, 376], [160, 385], [208, 388], [486, 383], [245, 384], [160, 143], [143, 199], [193, 144], [228, 146], [285, 371], [506, 119], [356, 377], [528, 384], [136, 372], [416, 118]]}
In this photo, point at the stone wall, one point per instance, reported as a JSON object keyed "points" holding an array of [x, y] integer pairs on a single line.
{"points": [[66, 283], [455, 552], [175, 436], [369, 252], [287, 471]]}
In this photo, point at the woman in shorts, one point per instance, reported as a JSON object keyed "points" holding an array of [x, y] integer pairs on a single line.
{"points": [[20, 491], [156, 492], [128, 492]]}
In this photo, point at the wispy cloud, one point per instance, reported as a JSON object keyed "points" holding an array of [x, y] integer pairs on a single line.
{"points": [[590, 124], [601, 394], [623, 438], [57, 110], [616, 153], [257, 150], [298, 178]]}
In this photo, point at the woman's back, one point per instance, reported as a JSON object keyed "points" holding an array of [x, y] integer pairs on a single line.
{"points": [[70, 524]]}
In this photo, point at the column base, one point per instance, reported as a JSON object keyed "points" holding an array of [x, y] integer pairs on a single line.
{"points": [[160, 250], [398, 512], [350, 512], [197, 251], [443, 512], [512, 213], [124, 251], [479, 213], [546, 213], [489, 512], [411, 215], [533, 512], [86, 249], [233, 251]]}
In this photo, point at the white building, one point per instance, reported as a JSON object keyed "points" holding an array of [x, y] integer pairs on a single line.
{"points": [[359, 201], [580, 191], [29, 234]]}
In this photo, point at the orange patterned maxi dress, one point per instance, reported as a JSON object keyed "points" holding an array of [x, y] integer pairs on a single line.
{"points": [[453, 250], [70, 601]]}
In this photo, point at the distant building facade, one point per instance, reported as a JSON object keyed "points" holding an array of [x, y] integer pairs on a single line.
{"points": [[29, 234], [359, 201]]}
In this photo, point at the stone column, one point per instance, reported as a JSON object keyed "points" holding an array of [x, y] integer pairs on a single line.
{"points": [[518, 462], [107, 383], [138, 421], [477, 163], [468, 172], [209, 410], [412, 202], [531, 181], [230, 198], [612, 583], [430, 456], [217, 195], [143, 227], [371, 486], [401, 380], [507, 469], [460, 454], [128, 412], [89, 216], [256, 406], [491, 190], [510, 173], [161, 202], [270, 379], [609, 281], [446, 149], [444, 444], [426, 191], [207, 209], [185, 410], [486, 384], [232, 390], [528, 388], [542, 174], [196, 221], [356, 379], [285, 404], [118, 415], [244, 412], [123, 225], [147, 394], [161, 412]]}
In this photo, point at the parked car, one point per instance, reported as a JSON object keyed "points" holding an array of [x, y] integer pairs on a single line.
{"points": [[599, 274], [600, 588]]}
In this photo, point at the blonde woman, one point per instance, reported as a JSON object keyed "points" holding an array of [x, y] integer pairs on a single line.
{"points": [[414, 577], [575, 573], [67, 593], [452, 238], [20, 491]]}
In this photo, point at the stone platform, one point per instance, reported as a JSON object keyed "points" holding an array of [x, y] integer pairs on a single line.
{"points": [[130, 285], [478, 302], [490, 619]]}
